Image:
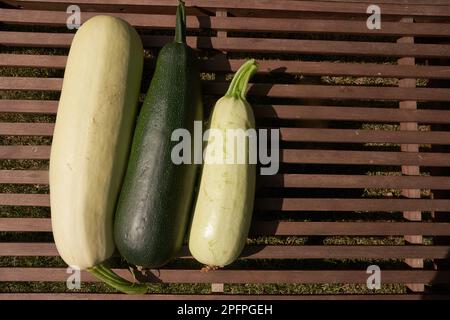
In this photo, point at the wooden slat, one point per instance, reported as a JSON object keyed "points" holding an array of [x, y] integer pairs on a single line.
{"points": [[118, 296], [339, 252], [31, 60], [154, 21], [287, 156], [409, 104], [40, 39], [325, 6], [280, 5], [273, 252], [336, 92], [348, 228], [12, 199], [25, 152], [287, 134], [28, 249], [235, 276], [26, 129], [324, 47], [366, 205], [30, 83], [185, 297], [364, 157], [25, 224], [296, 112], [360, 136], [278, 228], [280, 112], [283, 204], [270, 90], [24, 176], [409, 2], [319, 68], [284, 180], [29, 106], [351, 181]]}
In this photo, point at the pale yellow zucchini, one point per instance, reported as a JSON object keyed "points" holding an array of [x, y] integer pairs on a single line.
{"points": [[224, 205], [91, 141]]}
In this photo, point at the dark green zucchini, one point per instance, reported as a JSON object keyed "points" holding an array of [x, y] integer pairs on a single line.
{"points": [[155, 201]]}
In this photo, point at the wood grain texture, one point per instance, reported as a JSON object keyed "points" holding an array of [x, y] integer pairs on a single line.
{"points": [[273, 252], [324, 47], [278, 228], [234, 276]]}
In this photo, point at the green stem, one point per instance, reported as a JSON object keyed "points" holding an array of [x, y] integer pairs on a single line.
{"points": [[109, 277], [238, 85], [107, 272], [180, 28]]}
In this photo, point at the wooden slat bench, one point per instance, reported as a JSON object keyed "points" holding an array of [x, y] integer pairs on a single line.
{"points": [[365, 127]]}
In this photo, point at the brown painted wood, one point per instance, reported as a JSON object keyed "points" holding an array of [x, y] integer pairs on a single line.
{"points": [[26, 129], [265, 66], [29, 106], [280, 112], [287, 156], [31, 60], [284, 180], [336, 92], [283, 204], [280, 5], [361, 136], [339, 252], [364, 157], [408, 2], [352, 181], [184, 297], [409, 104], [365, 205], [287, 134], [24, 176], [25, 225], [273, 252], [269, 90], [224, 23], [30, 83], [278, 228], [161, 8], [348, 228], [320, 68], [234, 276], [28, 249], [25, 152], [353, 48], [297, 112], [12, 199]]}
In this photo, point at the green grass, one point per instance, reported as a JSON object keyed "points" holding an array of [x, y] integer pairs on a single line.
{"points": [[24, 164], [32, 72], [312, 289], [24, 212]]}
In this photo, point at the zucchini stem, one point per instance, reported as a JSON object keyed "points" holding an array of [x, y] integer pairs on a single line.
{"points": [[238, 85], [114, 280], [180, 27]]}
